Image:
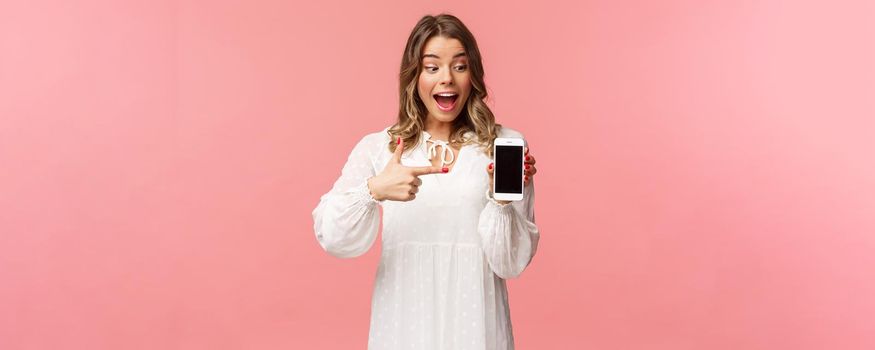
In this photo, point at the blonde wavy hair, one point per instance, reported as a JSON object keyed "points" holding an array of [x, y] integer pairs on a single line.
{"points": [[475, 117]]}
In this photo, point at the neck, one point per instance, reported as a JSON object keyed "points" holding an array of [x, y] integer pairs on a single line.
{"points": [[438, 130]]}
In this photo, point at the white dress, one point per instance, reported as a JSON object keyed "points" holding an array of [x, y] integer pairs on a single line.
{"points": [[445, 255]]}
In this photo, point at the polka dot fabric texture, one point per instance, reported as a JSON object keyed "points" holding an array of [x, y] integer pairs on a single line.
{"points": [[440, 283]]}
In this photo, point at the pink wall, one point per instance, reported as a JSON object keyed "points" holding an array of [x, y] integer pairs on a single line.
{"points": [[706, 172]]}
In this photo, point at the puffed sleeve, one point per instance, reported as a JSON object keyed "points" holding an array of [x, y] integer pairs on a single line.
{"points": [[508, 234], [347, 219]]}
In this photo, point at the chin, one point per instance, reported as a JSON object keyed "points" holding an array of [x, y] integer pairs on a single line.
{"points": [[445, 117]]}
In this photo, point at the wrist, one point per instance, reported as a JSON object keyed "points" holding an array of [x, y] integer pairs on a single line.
{"points": [[374, 194]]}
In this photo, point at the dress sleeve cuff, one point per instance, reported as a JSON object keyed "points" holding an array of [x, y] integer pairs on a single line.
{"points": [[491, 199], [364, 193]]}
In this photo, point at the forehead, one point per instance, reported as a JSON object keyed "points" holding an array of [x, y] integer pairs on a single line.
{"points": [[444, 47]]}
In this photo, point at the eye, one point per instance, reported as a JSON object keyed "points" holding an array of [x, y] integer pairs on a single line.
{"points": [[431, 69], [461, 68]]}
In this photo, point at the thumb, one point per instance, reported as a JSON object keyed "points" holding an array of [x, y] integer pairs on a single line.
{"points": [[396, 157]]}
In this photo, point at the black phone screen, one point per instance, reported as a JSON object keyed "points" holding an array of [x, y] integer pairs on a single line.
{"points": [[509, 169]]}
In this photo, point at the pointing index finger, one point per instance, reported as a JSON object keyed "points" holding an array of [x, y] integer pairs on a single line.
{"points": [[425, 170]]}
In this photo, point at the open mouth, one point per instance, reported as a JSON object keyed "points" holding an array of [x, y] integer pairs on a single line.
{"points": [[446, 101]]}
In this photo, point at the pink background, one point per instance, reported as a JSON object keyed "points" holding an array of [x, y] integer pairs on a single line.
{"points": [[706, 177]]}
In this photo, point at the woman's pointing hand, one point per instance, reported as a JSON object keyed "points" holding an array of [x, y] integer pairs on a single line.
{"points": [[398, 182]]}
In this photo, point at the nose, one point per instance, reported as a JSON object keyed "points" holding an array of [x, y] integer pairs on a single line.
{"points": [[446, 77]]}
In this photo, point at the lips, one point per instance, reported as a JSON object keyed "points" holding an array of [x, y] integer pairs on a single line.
{"points": [[446, 101]]}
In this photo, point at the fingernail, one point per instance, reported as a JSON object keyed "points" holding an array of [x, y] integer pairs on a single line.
{"points": [[528, 158], [445, 169], [527, 167], [399, 140], [490, 165], [527, 178]]}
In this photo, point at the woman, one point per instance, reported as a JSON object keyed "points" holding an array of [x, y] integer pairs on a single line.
{"points": [[448, 245]]}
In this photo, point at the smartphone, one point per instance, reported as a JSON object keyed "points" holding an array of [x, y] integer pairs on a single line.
{"points": [[508, 173]]}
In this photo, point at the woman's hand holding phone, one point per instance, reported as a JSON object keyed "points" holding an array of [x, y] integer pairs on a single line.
{"points": [[529, 172], [398, 182]]}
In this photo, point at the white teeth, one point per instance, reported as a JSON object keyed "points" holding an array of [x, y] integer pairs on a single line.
{"points": [[447, 94]]}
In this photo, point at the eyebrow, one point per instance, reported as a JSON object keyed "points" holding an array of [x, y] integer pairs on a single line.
{"points": [[460, 54]]}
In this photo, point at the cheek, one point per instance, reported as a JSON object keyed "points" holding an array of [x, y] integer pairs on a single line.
{"points": [[424, 88], [464, 81], [465, 84]]}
